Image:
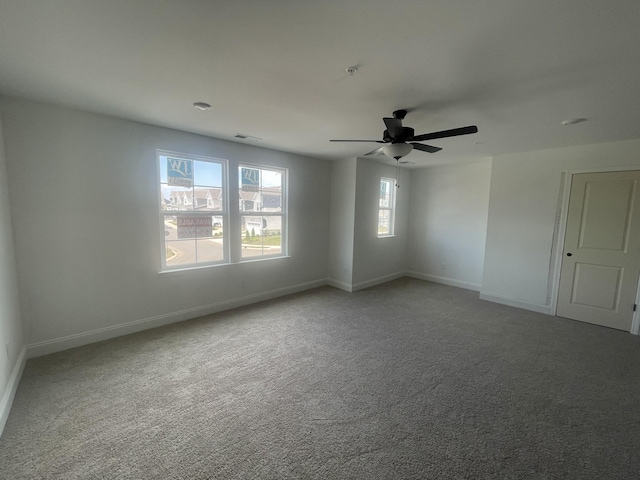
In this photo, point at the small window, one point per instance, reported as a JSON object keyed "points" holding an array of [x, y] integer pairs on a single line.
{"points": [[263, 212], [193, 211], [386, 207]]}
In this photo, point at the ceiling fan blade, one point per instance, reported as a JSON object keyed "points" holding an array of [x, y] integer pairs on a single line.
{"points": [[446, 133], [376, 141], [394, 126], [426, 148]]}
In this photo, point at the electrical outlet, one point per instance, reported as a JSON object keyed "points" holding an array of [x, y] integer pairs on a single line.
{"points": [[443, 267], [243, 283], [8, 348]]}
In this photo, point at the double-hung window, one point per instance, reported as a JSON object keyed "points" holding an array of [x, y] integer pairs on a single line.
{"points": [[195, 217], [263, 214], [193, 210], [386, 207]]}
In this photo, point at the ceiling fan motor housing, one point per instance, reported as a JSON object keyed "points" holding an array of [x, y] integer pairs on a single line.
{"points": [[407, 134], [400, 114]]}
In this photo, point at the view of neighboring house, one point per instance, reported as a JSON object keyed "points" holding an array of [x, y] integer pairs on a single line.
{"points": [[254, 206], [199, 198], [268, 199]]}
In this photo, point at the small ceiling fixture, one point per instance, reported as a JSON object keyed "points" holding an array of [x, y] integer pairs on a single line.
{"points": [[352, 70], [573, 121], [202, 106], [243, 136]]}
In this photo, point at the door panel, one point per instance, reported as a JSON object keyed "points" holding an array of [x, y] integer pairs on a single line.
{"points": [[601, 256], [606, 215], [596, 286]]}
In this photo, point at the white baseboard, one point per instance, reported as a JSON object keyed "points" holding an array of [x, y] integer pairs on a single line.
{"points": [[71, 341], [341, 285], [354, 287], [445, 280], [12, 387], [635, 324], [376, 281], [534, 307]]}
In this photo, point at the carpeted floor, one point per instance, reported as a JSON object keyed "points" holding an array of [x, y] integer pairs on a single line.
{"points": [[406, 380]]}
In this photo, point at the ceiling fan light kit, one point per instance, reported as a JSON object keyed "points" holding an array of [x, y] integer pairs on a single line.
{"points": [[397, 150], [401, 140]]}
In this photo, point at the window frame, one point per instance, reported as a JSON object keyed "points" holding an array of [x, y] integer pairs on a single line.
{"points": [[223, 213], [391, 208], [231, 213], [283, 214]]}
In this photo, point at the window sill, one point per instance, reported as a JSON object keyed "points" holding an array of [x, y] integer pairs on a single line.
{"points": [[262, 259], [386, 236], [191, 268]]}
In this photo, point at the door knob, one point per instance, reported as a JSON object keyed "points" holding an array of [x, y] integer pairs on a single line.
{"points": [[569, 254]]}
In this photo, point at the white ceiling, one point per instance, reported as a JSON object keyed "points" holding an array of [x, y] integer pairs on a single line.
{"points": [[275, 69]]}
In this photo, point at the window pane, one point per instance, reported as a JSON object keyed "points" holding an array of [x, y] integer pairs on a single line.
{"points": [[386, 206], [209, 249], [180, 246], [384, 222], [249, 201], [271, 178], [260, 189], [207, 199], [385, 194], [176, 198], [180, 252], [170, 227], [192, 239], [261, 235], [272, 233], [271, 199], [207, 174], [209, 243], [271, 191]]}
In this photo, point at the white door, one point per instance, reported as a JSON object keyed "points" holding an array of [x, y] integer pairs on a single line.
{"points": [[601, 256]]}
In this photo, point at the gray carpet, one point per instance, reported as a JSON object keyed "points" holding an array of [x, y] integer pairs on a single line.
{"points": [[407, 380]]}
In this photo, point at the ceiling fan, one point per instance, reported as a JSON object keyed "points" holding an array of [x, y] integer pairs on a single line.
{"points": [[401, 140]]}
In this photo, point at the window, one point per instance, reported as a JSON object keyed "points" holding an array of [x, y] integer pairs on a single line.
{"points": [[263, 212], [193, 210], [386, 207], [198, 228]]}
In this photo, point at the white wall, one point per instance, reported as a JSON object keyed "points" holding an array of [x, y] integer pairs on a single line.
{"points": [[11, 338], [359, 258], [448, 223], [84, 205], [523, 208], [341, 235], [378, 259]]}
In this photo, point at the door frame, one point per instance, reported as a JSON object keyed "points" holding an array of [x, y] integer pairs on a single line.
{"points": [[561, 229]]}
